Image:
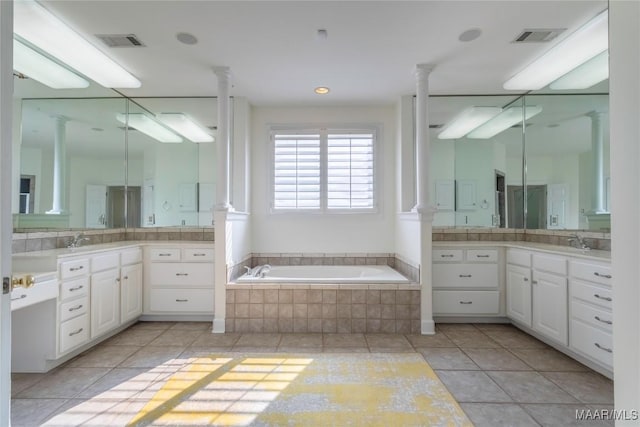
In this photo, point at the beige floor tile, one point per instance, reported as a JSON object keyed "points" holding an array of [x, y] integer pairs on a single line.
{"points": [[496, 359], [455, 327], [135, 336], [216, 340], [588, 387], [472, 386], [561, 416], [301, 341], [496, 327], [192, 326], [530, 387], [176, 337], [80, 412], [22, 381], [344, 340], [104, 356], [151, 325], [428, 341], [385, 342], [548, 359], [498, 415], [258, 340], [515, 339], [32, 412], [149, 357], [471, 339], [448, 358], [120, 384], [326, 349], [64, 383]]}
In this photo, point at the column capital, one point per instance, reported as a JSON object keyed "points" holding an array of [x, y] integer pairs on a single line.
{"points": [[222, 72], [596, 114], [60, 118], [424, 69]]}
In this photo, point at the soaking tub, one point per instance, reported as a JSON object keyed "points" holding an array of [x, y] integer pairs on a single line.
{"points": [[310, 274]]}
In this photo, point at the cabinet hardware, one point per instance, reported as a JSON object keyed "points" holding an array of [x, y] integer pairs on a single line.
{"points": [[608, 322], [76, 268], [23, 282], [126, 277], [182, 274], [482, 256], [534, 282], [199, 254], [447, 256], [23, 296], [602, 298], [604, 276], [608, 350], [76, 332], [77, 307], [117, 279], [181, 300], [77, 288], [465, 275], [466, 302], [164, 254], [526, 279]]}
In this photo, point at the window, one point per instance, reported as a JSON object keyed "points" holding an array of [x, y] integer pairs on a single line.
{"points": [[324, 170]]}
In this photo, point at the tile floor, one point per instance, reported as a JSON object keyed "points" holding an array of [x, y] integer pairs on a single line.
{"points": [[500, 375]]}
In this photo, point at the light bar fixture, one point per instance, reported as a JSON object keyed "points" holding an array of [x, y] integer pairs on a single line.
{"points": [[41, 28], [38, 67], [586, 75], [586, 42], [503, 121], [149, 126], [468, 120], [185, 127]]}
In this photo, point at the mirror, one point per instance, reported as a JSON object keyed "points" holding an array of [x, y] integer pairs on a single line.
{"points": [[105, 175]]}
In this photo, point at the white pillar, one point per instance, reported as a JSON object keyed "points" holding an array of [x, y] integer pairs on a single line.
{"points": [[222, 166], [597, 144], [59, 166], [424, 208]]}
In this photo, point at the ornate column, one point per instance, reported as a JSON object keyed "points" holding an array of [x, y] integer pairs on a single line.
{"points": [[59, 167], [597, 144], [222, 176]]}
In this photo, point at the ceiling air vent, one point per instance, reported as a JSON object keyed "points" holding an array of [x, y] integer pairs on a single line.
{"points": [[538, 36], [120, 40]]}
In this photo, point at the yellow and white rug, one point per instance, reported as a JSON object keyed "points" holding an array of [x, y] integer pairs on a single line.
{"points": [[303, 390]]}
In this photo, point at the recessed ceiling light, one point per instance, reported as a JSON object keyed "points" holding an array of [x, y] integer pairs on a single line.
{"points": [[321, 90], [186, 38], [470, 35]]}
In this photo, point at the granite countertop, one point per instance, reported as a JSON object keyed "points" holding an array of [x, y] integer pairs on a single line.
{"points": [[592, 254]]}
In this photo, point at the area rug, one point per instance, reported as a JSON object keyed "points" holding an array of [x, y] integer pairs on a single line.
{"points": [[303, 390]]}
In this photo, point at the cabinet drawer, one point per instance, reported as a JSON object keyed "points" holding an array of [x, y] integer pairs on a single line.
{"points": [[183, 274], [592, 315], [465, 275], [74, 332], [74, 268], [182, 300], [446, 255], [198, 255], [592, 293], [519, 257], [131, 256], [466, 302], [550, 263], [591, 271], [172, 254], [482, 255], [105, 262], [592, 342], [74, 288], [73, 308]]}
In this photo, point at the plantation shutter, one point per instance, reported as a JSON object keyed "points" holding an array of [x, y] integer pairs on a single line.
{"points": [[350, 170], [297, 171]]}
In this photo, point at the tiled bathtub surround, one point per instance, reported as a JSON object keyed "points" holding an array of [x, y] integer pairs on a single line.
{"points": [[323, 308], [29, 240]]}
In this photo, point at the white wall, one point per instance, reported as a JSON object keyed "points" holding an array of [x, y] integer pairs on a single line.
{"points": [[39, 162], [335, 233], [443, 154], [408, 246]]}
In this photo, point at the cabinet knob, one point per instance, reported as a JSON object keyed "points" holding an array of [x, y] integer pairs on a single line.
{"points": [[526, 279], [608, 350], [605, 276], [607, 322], [602, 298]]}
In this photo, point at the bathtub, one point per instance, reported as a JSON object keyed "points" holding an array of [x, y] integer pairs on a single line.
{"points": [[327, 274]]}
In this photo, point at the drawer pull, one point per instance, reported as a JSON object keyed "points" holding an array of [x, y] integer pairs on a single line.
{"points": [[465, 275], [466, 302], [602, 298], [76, 268], [164, 254], [77, 307], [482, 256], [77, 288], [117, 279], [76, 332], [182, 300], [199, 254], [605, 276], [182, 274], [608, 322], [126, 277], [526, 279], [534, 282], [23, 296], [608, 350], [446, 256]]}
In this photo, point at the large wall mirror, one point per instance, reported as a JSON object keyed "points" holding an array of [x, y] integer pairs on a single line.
{"points": [[114, 162], [542, 162]]}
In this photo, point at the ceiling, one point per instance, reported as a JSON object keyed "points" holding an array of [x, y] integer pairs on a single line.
{"points": [[277, 59]]}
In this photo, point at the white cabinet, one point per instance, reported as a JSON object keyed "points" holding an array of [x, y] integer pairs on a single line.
{"points": [[105, 302], [466, 195], [73, 304], [550, 306], [466, 282], [519, 294], [445, 195], [130, 292]]}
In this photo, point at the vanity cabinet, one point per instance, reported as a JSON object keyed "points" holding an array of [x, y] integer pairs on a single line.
{"points": [[105, 293], [549, 297], [73, 304], [519, 294], [130, 284], [466, 282], [180, 281]]}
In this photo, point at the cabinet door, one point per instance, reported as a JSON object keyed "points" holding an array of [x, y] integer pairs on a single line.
{"points": [[550, 306], [466, 195], [131, 292], [105, 302], [445, 195], [519, 294]]}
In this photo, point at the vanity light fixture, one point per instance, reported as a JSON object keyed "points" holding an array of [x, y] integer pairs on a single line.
{"points": [[503, 121], [468, 120], [149, 126], [185, 126], [322, 90], [586, 75], [583, 44], [38, 67], [41, 28]]}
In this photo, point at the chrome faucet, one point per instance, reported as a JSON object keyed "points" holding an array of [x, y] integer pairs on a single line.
{"points": [[77, 240], [258, 271], [579, 242]]}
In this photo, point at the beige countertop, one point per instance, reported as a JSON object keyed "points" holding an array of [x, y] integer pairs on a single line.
{"points": [[592, 254]]}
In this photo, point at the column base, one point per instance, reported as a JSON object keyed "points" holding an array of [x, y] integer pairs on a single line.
{"points": [[428, 327], [218, 326], [56, 212]]}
